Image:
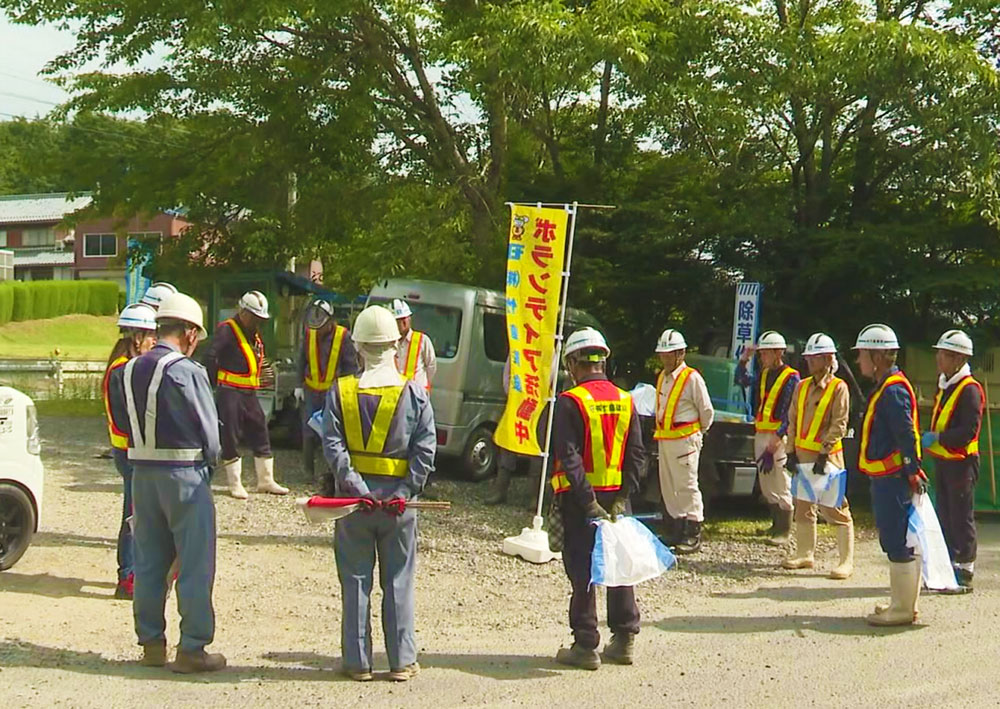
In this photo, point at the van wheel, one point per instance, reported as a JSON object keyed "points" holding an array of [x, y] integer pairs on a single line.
{"points": [[479, 460], [17, 524]]}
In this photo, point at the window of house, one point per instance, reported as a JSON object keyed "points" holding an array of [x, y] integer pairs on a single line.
{"points": [[38, 237], [100, 245], [3, 238]]}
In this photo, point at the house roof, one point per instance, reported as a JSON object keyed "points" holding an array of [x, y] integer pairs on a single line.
{"points": [[38, 208], [44, 258]]}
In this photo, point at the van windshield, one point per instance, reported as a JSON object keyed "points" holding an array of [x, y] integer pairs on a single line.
{"points": [[442, 324]]}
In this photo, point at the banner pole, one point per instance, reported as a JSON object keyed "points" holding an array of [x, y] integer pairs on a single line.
{"points": [[553, 382]]}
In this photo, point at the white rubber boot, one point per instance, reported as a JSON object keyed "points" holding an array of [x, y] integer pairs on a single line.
{"points": [[805, 547], [234, 470], [904, 583], [265, 477], [845, 545]]}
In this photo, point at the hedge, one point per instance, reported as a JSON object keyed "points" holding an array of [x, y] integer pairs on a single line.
{"points": [[36, 300]]}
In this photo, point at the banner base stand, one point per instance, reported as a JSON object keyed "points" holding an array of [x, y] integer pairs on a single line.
{"points": [[532, 544]]}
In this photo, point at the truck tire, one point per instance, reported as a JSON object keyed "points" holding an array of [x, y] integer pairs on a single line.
{"points": [[479, 459], [17, 524]]}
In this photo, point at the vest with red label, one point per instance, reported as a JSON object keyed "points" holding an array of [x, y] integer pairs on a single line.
{"points": [[119, 439], [317, 377], [941, 419], [253, 356], [767, 399], [607, 413], [666, 427], [893, 462]]}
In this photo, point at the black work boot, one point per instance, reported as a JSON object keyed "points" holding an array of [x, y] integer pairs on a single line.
{"points": [[769, 531], [309, 456], [782, 528], [621, 649], [576, 656], [671, 530], [690, 541], [498, 495], [964, 578]]}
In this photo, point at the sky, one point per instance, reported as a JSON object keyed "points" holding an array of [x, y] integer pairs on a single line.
{"points": [[23, 52]]}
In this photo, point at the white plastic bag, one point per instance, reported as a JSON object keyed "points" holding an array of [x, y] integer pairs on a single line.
{"points": [[644, 399], [827, 490], [626, 553], [923, 532]]}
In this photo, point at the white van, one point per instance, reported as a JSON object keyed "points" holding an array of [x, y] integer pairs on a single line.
{"points": [[21, 475], [468, 327]]}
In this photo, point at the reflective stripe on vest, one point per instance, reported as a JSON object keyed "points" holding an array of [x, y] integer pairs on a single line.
{"points": [[119, 439], [810, 440], [367, 456], [768, 399], [601, 462], [413, 355], [143, 445], [666, 429], [894, 461], [941, 419], [249, 379], [315, 380]]}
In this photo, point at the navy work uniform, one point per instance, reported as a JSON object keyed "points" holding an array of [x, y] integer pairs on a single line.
{"points": [[379, 442], [174, 442]]}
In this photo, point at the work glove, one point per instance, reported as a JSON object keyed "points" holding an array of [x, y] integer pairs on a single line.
{"points": [[819, 467], [595, 511], [395, 506], [929, 438], [368, 503], [918, 482], [617, 508], [766, 462], [792, 463]]}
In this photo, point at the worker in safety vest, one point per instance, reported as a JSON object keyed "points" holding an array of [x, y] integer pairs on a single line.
{"points": [[817, 423], [684, 414], [156, 293], [771, 394], [327, 354], [953, 440], [380, 441], [597, 445], [173, 433], [236, 363], [890, 455], [137, 326], [415, 358]]}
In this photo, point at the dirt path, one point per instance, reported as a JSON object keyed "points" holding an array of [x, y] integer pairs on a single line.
{"points": [[735, 634]]}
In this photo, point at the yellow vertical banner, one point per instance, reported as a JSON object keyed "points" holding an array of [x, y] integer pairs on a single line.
{"points": [[536, 252]]}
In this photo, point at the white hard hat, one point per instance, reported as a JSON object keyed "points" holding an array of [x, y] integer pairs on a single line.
{"points": [[771, 340], [318, 314], [818, 344], [877, 337], [180, 306], [256, 303], [400, 309], [137, 316], [587, 338], [955, 341], [671, 341], [375, 325], [156, 293]]}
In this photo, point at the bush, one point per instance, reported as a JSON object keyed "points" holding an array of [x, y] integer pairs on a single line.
{"points": [[22, 302], [36, 300], [6, 303]]}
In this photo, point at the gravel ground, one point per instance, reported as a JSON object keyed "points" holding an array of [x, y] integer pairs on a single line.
{"points": [[726, 626]]}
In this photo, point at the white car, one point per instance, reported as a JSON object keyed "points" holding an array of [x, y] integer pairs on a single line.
{"points": [[21, 475]]}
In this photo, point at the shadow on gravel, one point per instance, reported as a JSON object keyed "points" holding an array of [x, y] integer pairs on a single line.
{"points": [[112, 487], [16, 653], [493, 666], [279, 540], [854, 625], [61, 539], [801, 593], [52, 586]]}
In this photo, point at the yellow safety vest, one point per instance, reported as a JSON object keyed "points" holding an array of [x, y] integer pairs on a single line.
{"points": [[894, 461], [768, 399], [249, 379], [941, 419], [807, 436], [602, 458], [317, 379], [119, 439], [413, 355], [367, 456], [666, 429]]}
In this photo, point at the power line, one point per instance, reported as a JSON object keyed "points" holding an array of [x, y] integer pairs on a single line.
{"points": [[32, 81], [29, 98]]}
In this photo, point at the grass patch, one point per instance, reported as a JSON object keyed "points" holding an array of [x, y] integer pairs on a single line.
{"points": [[70, 407], [81, 337]]}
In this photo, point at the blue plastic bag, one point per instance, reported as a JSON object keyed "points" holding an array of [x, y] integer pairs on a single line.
{"points": [[626, 553]]}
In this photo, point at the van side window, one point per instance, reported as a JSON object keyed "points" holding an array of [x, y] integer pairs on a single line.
{"points": [[495, 336]]}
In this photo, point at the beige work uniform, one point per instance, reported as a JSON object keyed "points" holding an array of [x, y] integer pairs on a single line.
{"points": [[775, 486], [832, 429], [679, 457]]}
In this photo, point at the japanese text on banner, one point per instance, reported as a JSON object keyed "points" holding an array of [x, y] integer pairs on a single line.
{"points": [[535, 255]]}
